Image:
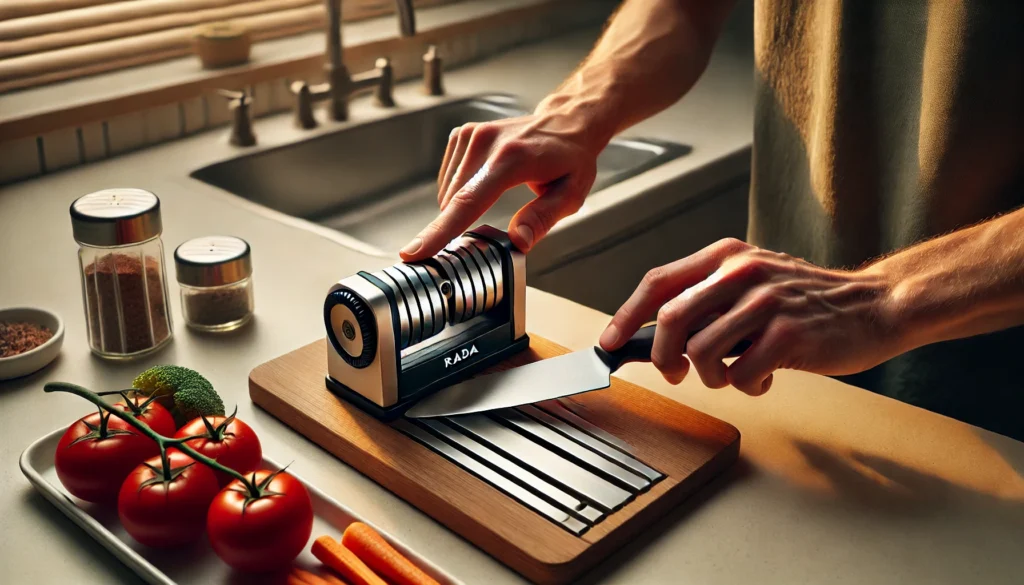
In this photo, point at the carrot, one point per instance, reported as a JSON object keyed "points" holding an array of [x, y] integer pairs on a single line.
{"points": [[303, 577], [333, 554], [382, 557], [330, 579], [294, 579]]}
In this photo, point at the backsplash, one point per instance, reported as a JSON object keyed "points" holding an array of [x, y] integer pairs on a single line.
{"points": [[99, 140], [29, 157], [32, 156]]}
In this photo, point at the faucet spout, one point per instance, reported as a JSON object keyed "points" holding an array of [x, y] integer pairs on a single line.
{"points": [[406, 26], [339, 85], [406, 18], [333, 32]]}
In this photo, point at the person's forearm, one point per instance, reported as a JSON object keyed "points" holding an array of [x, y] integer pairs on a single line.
{"points": [[965, 283], [651, 54]]}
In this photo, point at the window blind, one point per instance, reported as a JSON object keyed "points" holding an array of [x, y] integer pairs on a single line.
{"points": [[43, 41]]}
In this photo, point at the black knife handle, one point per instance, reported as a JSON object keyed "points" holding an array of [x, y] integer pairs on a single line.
{"points": [[638, 348]]}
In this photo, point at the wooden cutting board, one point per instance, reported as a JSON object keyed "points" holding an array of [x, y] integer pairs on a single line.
{"points": [[688, 446]]}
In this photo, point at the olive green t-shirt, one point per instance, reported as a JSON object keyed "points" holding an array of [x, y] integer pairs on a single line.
{"points": [[881, 123]]}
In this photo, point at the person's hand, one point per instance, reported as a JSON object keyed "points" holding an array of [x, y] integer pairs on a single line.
{"points": [[797, 315], [553, 152]]}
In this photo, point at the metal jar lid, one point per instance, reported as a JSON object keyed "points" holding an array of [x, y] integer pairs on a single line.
{"points": [[116, 217], [213, 261]]}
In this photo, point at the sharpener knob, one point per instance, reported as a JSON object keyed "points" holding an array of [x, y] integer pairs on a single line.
{"points": [[463, 281], [351, 328], [474, 270]]}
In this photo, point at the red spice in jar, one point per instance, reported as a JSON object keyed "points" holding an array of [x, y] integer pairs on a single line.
{"points": [[18, 338], [118, 280]]}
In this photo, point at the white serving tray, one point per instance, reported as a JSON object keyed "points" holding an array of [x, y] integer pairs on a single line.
{"points": [[196, 563]]}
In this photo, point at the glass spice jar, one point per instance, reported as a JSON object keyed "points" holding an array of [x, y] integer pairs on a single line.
{"points": [[215, 274], [124, 284]]}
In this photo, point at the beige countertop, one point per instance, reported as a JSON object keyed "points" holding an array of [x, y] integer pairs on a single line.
{"points": [[834, 484]]}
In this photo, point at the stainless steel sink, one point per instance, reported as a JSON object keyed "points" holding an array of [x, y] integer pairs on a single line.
{"points": [[376, 182]]}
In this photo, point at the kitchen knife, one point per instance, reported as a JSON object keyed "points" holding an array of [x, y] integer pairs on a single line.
{"points": [[573, 373]]}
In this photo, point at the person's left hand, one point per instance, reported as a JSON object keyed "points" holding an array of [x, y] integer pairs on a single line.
{"points": [[797, 315]]}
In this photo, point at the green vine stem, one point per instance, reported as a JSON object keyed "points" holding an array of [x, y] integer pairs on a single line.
{"points": [[132, 401], [255, 491], [104, 418]]}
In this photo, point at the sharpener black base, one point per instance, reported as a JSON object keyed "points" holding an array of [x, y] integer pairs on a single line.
{"points": [[404, 403]]}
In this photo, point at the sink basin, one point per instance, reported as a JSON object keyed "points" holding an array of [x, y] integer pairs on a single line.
{"points": [[377, 182]]}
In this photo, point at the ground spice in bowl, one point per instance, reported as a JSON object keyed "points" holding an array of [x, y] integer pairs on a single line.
{"points": [[17, 338]]}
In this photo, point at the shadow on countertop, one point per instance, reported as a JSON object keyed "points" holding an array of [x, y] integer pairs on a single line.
{"points": [[877, 485], [739, 471]]}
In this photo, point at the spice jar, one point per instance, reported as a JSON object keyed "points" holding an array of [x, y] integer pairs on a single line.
{"points": [[215, 274], [124, 282]]}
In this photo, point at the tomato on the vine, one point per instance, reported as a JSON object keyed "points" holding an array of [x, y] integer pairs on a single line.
{"points": [[227, 440], [96, 453], [152, 413], [262, 533], [161, 509]]}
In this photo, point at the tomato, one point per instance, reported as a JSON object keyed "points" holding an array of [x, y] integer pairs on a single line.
{"points": [[153, 414], [229, 441], [92, 463], [262, 534], [161, 513]]}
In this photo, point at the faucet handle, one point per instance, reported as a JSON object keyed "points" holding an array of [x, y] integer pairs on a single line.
{"points": [[303, 105], [385, 84], [241, 98], [318, 90], [241, 125], [432, 72]]}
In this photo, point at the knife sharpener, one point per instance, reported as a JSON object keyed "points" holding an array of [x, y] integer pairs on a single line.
{"points": [[399, 334]]}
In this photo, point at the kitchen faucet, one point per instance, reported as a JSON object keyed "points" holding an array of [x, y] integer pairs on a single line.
{"points": [[340, 84]]}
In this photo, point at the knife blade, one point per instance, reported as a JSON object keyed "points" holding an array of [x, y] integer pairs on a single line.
{"points": [[557, 377]]}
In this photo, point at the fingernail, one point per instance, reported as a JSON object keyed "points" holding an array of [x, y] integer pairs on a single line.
{"points": [[610, 337], [413, 246], [525, 234], [766, 384]]}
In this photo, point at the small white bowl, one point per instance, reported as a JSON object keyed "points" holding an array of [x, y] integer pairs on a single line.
{"points": [[34, 359]]}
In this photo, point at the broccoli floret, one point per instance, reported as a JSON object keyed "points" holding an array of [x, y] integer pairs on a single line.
{"points": [[163, 381], [190, 403], [183, 391]]}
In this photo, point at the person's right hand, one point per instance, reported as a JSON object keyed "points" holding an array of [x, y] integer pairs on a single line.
{"points": [[554, 153], [795, 314]]}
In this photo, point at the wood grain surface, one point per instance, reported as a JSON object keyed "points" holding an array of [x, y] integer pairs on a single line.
{"points": [[688, 446]]}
